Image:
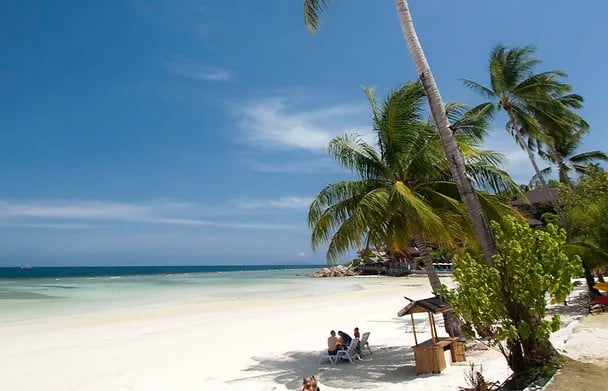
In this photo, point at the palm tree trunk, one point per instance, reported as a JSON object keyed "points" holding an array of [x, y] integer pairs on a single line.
{"points": [[563, 172], [455, 160], [522, 143], [450, 320]]}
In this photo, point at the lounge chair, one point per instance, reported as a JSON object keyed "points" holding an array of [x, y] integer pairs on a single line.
{"points": [[363, 343], [598, 303], [349, 354], [325, 356]]}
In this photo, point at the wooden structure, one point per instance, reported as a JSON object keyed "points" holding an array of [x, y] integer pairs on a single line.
{"points": [[429, 354]]}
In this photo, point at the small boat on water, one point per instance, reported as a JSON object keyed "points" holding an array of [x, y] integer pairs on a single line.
{"points": [[27, 266]]}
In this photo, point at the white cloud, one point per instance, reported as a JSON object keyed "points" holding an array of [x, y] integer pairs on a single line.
{"points": [[307, 166], [272, 123], [191, 69], [46, 215], [277, 203]]}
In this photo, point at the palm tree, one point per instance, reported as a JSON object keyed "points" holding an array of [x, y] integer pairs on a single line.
{"points": [[567, 161], [404, 192], [528, 99], [456, 164], [561, 139]]}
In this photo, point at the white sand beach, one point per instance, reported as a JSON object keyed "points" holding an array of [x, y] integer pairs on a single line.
{"points": [[236, 344]]}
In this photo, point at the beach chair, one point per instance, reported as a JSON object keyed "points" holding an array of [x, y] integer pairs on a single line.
{"points": [[325, 356], [349, 354], [598, 303], [363, 343]]}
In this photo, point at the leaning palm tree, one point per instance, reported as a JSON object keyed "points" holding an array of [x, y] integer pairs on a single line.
{"points": [[404, 192], [312, 13], [526, 97]]}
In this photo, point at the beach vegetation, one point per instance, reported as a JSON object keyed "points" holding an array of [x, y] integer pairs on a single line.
{"points": [[585, 217], [476, 380], [437, 198], [404, 192], [506, 303]]}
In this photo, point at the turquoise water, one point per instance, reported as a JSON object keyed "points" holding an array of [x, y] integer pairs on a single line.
{"points": [[25, 298]]}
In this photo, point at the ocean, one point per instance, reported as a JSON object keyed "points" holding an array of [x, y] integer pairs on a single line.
{"points": [[43, 292]]}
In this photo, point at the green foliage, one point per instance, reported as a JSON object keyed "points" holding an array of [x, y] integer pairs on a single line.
{"points": [[541, 109], [355, 262], [507, 302], [584, 207], [442, 255], [313, 9], [537, 211], [524, 380], [403, 187], [476, 381]]}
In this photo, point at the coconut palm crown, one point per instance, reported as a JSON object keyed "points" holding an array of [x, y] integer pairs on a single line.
{"points": [[531, 100], [456, 164], [404, 189], [560, 140]]}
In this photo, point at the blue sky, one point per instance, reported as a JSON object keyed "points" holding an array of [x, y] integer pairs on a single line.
{"points": [[194, 132]]}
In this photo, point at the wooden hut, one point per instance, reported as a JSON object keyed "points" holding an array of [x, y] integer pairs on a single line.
{"points": [[429, 354]]}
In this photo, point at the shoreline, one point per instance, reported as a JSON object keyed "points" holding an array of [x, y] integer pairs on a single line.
{"points": [[245, 343]]}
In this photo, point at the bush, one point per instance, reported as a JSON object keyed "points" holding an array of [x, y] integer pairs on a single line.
{"points": [[506, 302]]}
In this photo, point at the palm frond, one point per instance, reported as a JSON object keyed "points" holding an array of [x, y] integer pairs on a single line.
{"points": [[535, 180], [590, 254], [589, 157], [371, 98], [495, 208], [540, 85], [492, 178], [313, 9], [354, 154], [479, 88], [474, 123]]}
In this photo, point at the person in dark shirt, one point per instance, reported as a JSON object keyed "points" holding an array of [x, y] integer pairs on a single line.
{"points": [[345, 338]]}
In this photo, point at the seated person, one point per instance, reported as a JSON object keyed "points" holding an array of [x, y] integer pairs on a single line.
{"points": [[345, 338], [358, 336], [332, 344], [310, 384]]}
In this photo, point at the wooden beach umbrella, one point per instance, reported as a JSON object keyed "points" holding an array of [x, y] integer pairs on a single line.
{"points": [[432, 305]]}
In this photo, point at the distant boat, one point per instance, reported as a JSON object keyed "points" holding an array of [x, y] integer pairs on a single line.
{"points": [[27, 266]]}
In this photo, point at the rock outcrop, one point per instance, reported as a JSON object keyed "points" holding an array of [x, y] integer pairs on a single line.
{"points": [[337, 271]]}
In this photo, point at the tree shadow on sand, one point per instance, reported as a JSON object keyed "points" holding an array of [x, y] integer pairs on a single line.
{"points": [[578, 305], [386, 364]]}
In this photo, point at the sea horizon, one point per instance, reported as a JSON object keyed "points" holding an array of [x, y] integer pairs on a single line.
{"points": [[44, 292], [26, 271]]}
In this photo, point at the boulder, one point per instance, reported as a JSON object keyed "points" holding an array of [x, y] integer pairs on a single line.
{"points": [[336, 271]]}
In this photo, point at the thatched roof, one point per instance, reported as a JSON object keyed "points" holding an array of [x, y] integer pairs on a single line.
{"points": [[540, 196], [434, 305]]}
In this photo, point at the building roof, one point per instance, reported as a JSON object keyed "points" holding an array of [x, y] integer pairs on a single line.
{"points": [[539, 196], [434, 305]]}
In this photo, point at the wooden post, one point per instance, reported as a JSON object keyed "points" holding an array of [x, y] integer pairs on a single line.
{"points": [[434, 325], [433, 336], [414, 328]]}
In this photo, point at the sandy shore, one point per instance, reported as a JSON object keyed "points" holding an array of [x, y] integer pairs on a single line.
{"points": [[234, 344]]}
